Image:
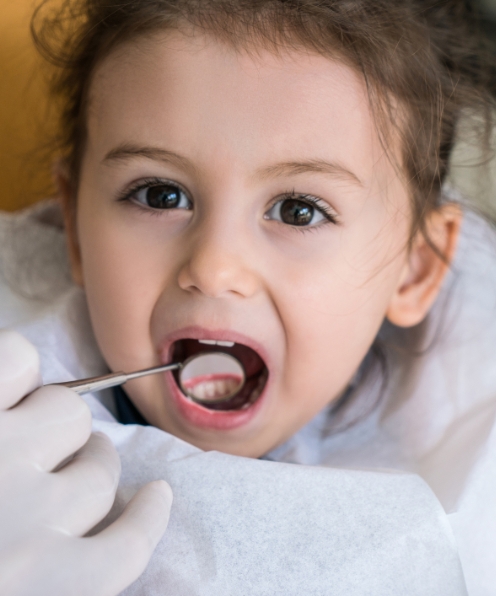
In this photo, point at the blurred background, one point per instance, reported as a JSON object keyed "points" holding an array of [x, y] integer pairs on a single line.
{"points": [[26, 121], [488, 9]]}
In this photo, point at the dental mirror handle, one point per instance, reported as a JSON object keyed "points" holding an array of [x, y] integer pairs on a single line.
{"points": [[113, 379]]}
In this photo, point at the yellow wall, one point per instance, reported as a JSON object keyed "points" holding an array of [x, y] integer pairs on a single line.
{"points": [[24, 127]]}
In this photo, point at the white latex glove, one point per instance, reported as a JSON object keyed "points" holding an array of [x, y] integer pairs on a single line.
{"points": [[44, 514]]}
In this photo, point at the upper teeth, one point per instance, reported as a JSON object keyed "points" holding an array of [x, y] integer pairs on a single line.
{"points": [[215, 342]]}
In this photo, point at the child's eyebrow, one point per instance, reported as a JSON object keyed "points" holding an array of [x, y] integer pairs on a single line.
{"points": [[309, 166], [129, 151]]}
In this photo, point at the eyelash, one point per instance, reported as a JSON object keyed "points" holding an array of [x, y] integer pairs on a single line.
{"points": [[328, 213], [128, 193]]}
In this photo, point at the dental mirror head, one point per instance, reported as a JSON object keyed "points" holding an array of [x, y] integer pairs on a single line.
{"points": [[211, 377]]}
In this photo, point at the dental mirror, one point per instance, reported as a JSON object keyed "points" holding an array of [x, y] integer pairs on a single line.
{"points": [[206, 378], [211, 377]]}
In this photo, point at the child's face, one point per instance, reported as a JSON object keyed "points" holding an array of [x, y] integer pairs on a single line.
{"points": [[237, 149]]}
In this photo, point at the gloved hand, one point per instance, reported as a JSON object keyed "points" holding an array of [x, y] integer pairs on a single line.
{"points": [[46, 508]]}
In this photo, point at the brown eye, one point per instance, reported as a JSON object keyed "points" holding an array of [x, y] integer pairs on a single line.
{"points": [[299, 212], [296, 213], [163, 196]]}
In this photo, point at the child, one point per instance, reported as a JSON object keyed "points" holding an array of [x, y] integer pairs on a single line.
{"points": [[263, 179]]}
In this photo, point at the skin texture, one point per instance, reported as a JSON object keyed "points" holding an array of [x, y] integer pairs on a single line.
{"points": [[313, 297]]}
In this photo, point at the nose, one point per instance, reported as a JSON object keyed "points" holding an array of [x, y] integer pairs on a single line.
{"points": [[220, 265]]}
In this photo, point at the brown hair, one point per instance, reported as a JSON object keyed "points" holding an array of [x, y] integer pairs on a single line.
{"points": [[422, 55]]}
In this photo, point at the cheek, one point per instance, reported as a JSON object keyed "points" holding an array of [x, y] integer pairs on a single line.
{"points": [[122, 286], [334, 304]]}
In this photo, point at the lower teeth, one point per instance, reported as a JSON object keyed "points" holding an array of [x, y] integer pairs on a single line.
{"points": [[213, 390], [210, 393]]}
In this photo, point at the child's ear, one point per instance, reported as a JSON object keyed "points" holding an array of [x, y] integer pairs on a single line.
{"points": [[67, 198], [425, 270]]}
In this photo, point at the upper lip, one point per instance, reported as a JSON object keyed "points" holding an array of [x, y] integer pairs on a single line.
{"points": [[198, 332]]}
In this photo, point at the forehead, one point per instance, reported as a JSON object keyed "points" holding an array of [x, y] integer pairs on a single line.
{"points": [[205, 99]]}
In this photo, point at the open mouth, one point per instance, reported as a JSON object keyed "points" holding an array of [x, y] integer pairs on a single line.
{"points": [[210, 389]]}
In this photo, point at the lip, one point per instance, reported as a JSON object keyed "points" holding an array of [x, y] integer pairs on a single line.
{"points": [[194, 413]]}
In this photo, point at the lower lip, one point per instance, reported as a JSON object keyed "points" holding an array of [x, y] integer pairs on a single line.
{"points": [[201, 417]]}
